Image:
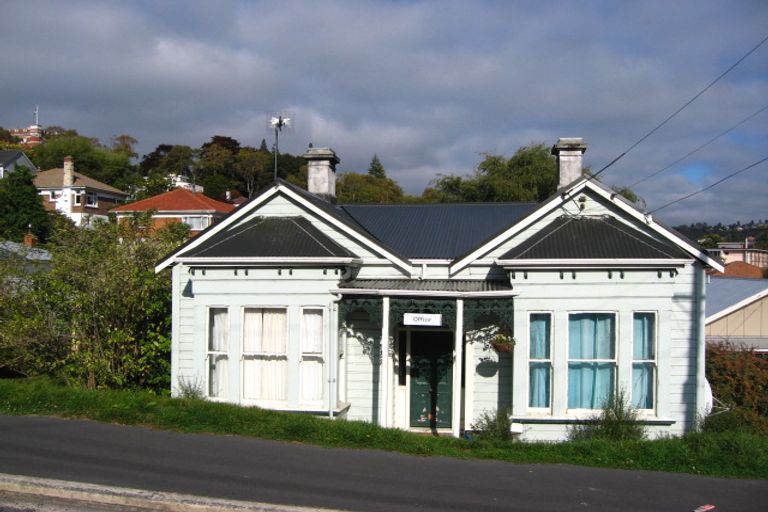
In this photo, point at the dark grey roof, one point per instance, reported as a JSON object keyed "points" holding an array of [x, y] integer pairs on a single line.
{"points": [[270, 237], [442, 231], [8, 156], [592, 238], [439, 285], [724, 292]]}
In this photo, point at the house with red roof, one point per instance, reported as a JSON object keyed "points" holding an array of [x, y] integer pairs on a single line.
{"points": [[178, 205]]}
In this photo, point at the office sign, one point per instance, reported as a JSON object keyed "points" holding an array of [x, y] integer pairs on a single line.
{"points": [[423, 319]]}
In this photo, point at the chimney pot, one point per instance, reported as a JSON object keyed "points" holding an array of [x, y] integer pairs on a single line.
{"points": [[69, 171], [569, 151], [321, 172], [29, 240]]}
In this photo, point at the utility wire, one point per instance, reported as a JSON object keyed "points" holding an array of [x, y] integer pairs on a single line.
{"points": [[710, 141], [710, 186], [665, 121]]}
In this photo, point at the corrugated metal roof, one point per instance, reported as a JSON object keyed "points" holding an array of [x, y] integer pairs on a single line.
{"points": [[271, 237], [438, 285], [724, 292], [8, 156], [440, 231], [592, 238]]}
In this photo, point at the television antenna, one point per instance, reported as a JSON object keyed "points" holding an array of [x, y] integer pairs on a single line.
{"points": [[277, 122]]}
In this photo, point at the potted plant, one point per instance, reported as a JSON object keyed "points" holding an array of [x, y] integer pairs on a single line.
{"points": [[503, 341]]}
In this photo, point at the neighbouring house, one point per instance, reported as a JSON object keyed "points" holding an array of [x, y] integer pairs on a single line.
{"points": [[744, 251], [10, 159], [425, 316], [739, 269], [35, 258], [31, 136], [75, 195], [737, 312], [178, 205]]}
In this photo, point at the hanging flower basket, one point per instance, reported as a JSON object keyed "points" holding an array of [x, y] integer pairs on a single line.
{"points": [[503, 343]]}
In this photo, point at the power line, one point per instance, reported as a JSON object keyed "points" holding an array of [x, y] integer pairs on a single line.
{"points": [[710, 186], [665, 121], [710, 141]]}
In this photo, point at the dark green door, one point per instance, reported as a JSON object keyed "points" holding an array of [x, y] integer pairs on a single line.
{"points": [[431, 379]]}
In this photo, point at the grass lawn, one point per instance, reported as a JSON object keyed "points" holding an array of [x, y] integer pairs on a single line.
{"points": [[729, 454]]}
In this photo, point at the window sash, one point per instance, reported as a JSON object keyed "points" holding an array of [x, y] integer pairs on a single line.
{"points": [[264, 356]]}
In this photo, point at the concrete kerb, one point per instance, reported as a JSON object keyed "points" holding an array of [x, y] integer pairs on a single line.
{"points": [[150, 500]]}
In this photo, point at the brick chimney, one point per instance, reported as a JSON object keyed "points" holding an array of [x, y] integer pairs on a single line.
{"points": [[569, 151], [29, 240], [69, 171], [321, 172]]}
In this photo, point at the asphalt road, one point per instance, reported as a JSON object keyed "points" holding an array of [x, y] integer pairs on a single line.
{"points": [[366, 480]]}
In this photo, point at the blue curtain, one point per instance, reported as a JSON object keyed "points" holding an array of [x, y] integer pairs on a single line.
{"points": [[539, 374], [591, 336], [643, 350]]}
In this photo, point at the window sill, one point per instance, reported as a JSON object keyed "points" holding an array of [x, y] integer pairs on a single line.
{"points": [[576, 419]]}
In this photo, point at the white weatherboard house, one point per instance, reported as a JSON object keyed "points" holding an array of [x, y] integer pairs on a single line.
{"points": [[390, 313]]}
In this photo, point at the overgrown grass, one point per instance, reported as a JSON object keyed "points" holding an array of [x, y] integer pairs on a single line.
{"points": [[728, 454]]}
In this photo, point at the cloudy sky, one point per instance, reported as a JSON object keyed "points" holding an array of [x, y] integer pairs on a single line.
{"points": [[429, 86]]}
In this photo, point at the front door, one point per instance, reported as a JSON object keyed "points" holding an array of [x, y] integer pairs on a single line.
{"points": [[431, 379]]}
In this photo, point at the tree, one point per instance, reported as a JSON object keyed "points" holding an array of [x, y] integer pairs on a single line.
{"points": [[630, 195], [90, 158], [253, 169], [352, 187], [20, 207], [528, 175], [263, 147], [376, 169], [99, 316], [124, 144], [57, 131], [5, 136]]}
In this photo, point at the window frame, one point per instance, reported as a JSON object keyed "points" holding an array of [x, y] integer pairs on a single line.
{"points": [[615, 361], [550, 361], [209, 352], [319, 357], [203, 222], [91, 200], [654, 362]]}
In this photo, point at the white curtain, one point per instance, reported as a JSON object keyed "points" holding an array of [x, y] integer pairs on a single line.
{"points": [[265, 338], [312, 331], [539, 372], [218, 338]]}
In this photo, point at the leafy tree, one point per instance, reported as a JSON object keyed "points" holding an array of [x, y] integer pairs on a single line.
{"points": [[711, 240], [528, 175], [263, 147], [5, 136], [228, 143], [376, 169], [54, 131], [630, 195], [152, 160], [352, 187], [90, 158], [100, 316], [21, 208], [253, 168], [216, 159], [124, 144]]}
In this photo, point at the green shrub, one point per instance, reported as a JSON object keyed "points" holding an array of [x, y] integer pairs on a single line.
{"points": [[494, 425], [617, 421]]}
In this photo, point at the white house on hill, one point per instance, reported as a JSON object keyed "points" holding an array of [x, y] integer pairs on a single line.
{"points": [[397, 314]]}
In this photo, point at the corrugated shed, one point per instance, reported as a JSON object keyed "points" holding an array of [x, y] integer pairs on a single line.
{"points": [[724, 292], [271, 237], [441, 231], [437, 285], [592, 238]]}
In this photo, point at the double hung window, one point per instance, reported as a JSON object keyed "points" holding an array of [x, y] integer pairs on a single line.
{"points": [[311, 365], [218, 346], [540, 361], [265, 362], [591, 359], [643, 360]]}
